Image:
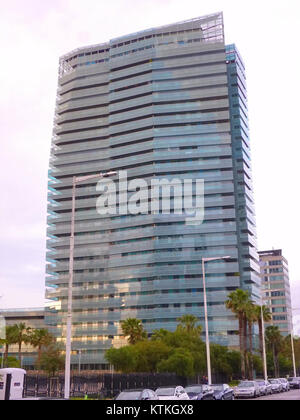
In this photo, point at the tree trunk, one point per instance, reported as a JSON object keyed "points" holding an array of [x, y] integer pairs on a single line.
{"points": [[39, 356], [250, 350], [241, 333], [260, 338], [20, 347], [5, 355]]}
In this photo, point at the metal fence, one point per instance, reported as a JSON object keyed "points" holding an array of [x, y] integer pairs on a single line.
{"points": [[103, 385]]}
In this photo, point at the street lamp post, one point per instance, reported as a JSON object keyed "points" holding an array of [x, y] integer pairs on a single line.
{"points": [[293, 353], [76, 179], [204, 260], [292, 344]]}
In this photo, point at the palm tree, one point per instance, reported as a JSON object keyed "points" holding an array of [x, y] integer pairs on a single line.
{"points": [[133, 328], [187, 323], [22, 336], [266, 315], [40, 338], [237, 302], [275, 343], [10, 338]]}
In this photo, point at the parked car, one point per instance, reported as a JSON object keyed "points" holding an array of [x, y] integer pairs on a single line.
{"points": [[247, 389], [223, 392], [276, 385], [137, 394], [200, 392], [285, 384], [294, 382], [265, 388], [172, 393]]}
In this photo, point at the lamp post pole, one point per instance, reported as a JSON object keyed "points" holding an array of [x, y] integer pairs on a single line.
{"points": [[292, 344], [204, 260], [293, 353], [75, 180]]}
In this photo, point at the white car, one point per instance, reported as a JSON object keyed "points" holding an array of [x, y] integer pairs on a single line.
{"points": [[247, 389], [285, 384], [172, 393], [265, 388], [276, 385]]}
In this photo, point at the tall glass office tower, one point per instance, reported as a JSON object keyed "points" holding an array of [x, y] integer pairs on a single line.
{"points": [[168, 102]]}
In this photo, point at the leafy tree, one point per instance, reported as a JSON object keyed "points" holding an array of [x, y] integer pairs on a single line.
{"points": [[285, 364], [180, 362], [13, 362], [181, 351], [237, 302], [234, 360], [287, 349], [150, 353], [52, 360], [257, 364], [297, 352], [133, 328], [123, 359], [220, 361], [187, 338]]}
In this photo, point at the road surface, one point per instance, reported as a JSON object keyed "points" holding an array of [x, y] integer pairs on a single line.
{"points": [[293, 394]]}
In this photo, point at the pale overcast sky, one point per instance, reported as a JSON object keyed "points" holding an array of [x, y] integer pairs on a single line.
{"points": [[34, 33]]}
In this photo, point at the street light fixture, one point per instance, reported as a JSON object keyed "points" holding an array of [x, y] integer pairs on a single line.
{"points": [[204, 260], [76, 179]]}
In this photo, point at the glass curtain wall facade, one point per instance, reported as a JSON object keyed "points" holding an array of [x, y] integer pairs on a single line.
{"points": [[242, 177], [168, 102]]}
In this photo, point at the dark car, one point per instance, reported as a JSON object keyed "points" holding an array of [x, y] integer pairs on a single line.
{"points": [[222, 392], [200, 392], [137, 394]]}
